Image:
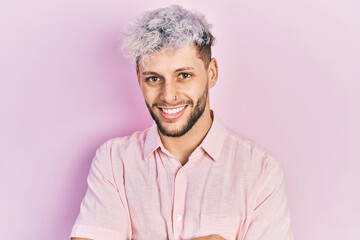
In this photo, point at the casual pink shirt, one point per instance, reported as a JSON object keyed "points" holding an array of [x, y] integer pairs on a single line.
{"points": [[230, 186]]}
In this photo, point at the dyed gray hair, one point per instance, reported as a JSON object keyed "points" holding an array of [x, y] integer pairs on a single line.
{"points": [[169, 27]]}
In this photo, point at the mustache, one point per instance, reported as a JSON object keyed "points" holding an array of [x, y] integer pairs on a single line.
{"points": [[165, 104]]}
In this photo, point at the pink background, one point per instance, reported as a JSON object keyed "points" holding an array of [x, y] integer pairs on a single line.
{"points": [[289, 79]]}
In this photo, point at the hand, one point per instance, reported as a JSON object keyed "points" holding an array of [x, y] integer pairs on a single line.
{"points": [[211, 237]]}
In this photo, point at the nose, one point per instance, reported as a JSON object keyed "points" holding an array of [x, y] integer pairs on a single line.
{"points": [[168, 92]]}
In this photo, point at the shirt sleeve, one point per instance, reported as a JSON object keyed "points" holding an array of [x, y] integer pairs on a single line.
{"points": [[271, 214], [104, 210]]}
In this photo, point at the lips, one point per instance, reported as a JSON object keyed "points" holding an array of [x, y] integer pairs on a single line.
{"points": [[172, 113]]}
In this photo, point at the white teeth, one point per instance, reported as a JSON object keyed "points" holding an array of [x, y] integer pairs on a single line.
{"points": [[173, 110]]}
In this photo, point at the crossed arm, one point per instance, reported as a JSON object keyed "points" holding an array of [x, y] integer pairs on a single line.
{"points": [[210, 237], [270, 217]]}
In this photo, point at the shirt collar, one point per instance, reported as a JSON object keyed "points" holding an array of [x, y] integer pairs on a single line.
{"points": [[215, 138], [213, 142], [152, 141]]}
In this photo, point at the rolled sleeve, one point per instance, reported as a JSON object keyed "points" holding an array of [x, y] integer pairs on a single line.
{"points": [[104, 210], [271, 214]]}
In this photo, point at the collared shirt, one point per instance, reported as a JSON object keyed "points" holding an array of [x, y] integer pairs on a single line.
{"points": [[230, 186]]}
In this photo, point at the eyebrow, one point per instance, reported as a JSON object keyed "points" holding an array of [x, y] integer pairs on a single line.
{"points": [[183, 69], [177, 70], [149, 73]]}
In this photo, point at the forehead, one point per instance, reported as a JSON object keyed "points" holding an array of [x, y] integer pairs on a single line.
{"points": [[172, 59]]}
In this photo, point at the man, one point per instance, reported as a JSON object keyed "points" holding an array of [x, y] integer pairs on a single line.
{"points": [[188, 176]]}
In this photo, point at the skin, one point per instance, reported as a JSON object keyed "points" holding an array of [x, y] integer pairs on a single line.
{"points": [[160, 82], [181, 73], [210, 237]]}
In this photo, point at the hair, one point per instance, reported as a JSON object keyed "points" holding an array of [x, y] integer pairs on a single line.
{"points": [[169, 27]]}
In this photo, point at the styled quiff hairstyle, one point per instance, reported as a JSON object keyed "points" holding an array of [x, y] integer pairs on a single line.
{"points": [[169, 27]]}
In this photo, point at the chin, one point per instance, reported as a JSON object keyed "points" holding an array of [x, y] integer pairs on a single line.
{"points": [[176, 128], [179, 126]]}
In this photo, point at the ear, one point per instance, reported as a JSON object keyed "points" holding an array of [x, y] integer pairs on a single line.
{"points": [[213, 72], [138, 75]]}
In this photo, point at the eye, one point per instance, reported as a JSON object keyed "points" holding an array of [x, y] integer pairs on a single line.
{"points": [[184, 75], [152, 79]]}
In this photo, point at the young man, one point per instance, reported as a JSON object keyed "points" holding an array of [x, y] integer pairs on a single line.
{"points": [[187, 176]]}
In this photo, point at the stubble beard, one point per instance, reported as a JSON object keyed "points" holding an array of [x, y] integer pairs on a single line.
{"points": [[196, 113]]}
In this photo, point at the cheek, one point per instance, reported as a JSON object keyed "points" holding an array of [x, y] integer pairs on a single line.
{"points": [[149, 94], [197, 91]]}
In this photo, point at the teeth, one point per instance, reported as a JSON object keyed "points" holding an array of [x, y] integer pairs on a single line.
{"points": [[173, 110]]}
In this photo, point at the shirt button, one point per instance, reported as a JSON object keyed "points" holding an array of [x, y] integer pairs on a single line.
{"points": [[181, 173], [178, 217]]}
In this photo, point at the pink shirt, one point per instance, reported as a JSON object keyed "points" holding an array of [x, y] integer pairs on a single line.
{"points": [[230, 186]]}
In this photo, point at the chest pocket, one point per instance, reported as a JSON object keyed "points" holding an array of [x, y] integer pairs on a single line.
{"points": [[225, 226]]}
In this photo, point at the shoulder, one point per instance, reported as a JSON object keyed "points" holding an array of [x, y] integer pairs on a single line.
{"points": [[122, 144], [254, 156]]}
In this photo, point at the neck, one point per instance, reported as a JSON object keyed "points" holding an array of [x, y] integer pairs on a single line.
{"points": [[182, 147]]}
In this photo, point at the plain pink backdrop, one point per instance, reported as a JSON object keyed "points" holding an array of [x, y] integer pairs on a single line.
{"points": [[289, 79]]}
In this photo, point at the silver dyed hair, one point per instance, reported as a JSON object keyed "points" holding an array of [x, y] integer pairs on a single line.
{"points": [[164, 28]]}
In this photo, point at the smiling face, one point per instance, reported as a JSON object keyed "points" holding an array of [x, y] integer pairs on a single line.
{"points": [[175, 84]]}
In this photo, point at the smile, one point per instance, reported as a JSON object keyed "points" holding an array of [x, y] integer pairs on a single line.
{"points": [[172, 110], [172, 113]]}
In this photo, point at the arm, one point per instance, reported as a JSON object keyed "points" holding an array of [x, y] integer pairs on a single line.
{"points": [[271, 214], [210, 237], [104, 211], [81, 239]]}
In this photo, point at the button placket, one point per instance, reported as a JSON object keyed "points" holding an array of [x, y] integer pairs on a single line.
{"points": [[179, 203]]}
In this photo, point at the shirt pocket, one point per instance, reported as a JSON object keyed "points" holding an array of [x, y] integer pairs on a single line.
{"points": [[225, 226]]}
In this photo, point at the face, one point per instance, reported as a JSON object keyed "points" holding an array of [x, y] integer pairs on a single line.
{"points": [[175, 85]]}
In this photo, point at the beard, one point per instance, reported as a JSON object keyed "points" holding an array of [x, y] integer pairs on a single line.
{"points": [[195, 114]]}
